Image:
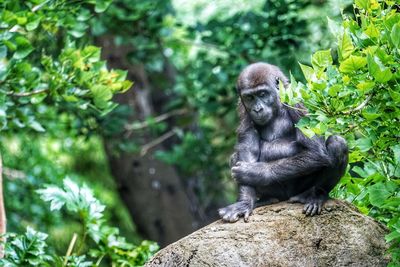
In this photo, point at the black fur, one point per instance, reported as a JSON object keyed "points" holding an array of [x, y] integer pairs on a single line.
{"points": [[273, 160]]}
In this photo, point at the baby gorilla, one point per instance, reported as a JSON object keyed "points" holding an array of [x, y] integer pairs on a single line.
{"points": [[273, 160]]}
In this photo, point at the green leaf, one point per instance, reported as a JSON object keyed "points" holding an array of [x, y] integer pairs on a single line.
{"points": [[101, 94], [125, 86], [378, 193], [364, 4], [33, 24], [10, 45], [371, 113], [378, 70], [345, 46], [365, 86], [372, 31], [102, 5], [285, 93], [334, 89], [308, 72], [364, 144], [54, 195], [321, 59], [36, 99], [36, 126], [83, 15], [396, 153], [395, 95], [24, 47], [3, 51], [353, 63], [395, 35], [393, 235], [91, 53]]}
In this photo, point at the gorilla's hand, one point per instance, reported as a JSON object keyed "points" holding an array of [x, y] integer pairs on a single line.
{"points": [[243, 172], [233, 212]]}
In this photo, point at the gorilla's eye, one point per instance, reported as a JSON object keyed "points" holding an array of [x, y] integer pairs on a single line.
{"points": [[277, 81], [262, 94], [248, 97]]}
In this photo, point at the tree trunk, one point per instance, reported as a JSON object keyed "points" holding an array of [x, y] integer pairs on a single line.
{"points": [[151, 189], [2, 209]]}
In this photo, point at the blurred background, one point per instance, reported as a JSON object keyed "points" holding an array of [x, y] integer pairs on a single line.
{"points": [[159, 159]]}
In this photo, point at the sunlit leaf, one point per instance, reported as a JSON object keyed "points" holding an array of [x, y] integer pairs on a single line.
{"points": [[23, 49], [378, 71], [364, 4], [395, 35], [321, 59], [102, 5], [352, 63], [36, 126], [345, 46], [307, 71]]}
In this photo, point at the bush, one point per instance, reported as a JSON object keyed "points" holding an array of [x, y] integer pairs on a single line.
{"points": [[356, 94], [97, 240]]}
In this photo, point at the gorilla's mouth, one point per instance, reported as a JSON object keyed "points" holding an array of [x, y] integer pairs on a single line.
{"points": [[260, 118]]}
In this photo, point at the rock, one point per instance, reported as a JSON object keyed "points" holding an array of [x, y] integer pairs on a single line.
{"points": [[280, 235]]}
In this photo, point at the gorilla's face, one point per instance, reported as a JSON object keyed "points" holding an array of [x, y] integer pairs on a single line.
{"points": [[261, 103]]}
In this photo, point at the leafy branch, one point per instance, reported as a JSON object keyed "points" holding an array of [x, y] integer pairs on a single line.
{"points": [[25, 94], [359, 107]]}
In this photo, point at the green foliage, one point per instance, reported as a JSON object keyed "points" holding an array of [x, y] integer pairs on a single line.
{"points": [[39, 66], [52, 80], [105, 242], [357, 96], [28, 249]]}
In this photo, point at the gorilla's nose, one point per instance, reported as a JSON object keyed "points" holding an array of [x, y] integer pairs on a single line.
{"points": [[258, 109]]}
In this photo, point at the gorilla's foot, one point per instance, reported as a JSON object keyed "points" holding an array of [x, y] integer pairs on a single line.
{"points": [[313, 199]]}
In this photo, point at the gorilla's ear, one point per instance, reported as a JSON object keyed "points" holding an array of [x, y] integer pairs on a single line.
{"points": [[279, 76], [277, 82]]}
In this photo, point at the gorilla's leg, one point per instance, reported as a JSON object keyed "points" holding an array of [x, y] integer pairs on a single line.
{"points": [[315, 197], [339, 153], [266, 201]]}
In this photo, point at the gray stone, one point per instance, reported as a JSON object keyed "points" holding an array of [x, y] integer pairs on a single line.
{"points": [[280, 235]]}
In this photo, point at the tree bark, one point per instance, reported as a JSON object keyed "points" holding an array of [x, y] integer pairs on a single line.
{"points": [[151, 189], [2, 209]]}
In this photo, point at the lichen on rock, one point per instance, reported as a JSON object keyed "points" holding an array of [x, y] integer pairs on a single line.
{"points": [[281, 235]]}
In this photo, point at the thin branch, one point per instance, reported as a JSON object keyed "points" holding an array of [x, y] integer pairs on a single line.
{"points": [[359, 107], [141, 125], [13, 174], [157, 141], [70, 248], [350, 128], [24, 94], [299, 109], [39, 6], [99, 260]]}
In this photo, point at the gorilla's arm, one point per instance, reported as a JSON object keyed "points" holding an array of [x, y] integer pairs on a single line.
{"points": [[247, 148], [313, 158]]}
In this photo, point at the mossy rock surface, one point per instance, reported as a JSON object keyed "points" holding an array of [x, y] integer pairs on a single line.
{"points": [[281, 235]]}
